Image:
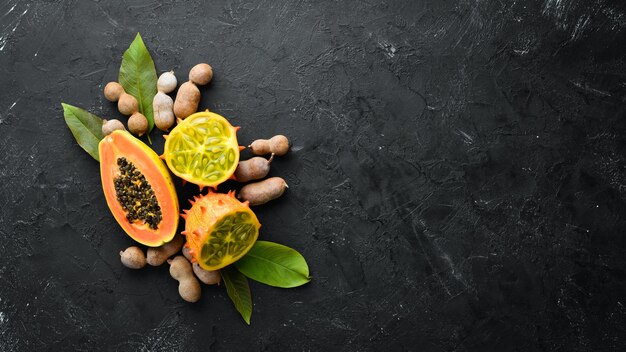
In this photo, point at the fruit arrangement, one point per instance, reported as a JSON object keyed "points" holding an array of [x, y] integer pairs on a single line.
{"points": [[219, 242]]}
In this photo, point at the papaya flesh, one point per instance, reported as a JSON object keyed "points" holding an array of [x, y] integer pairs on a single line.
{"points": [[220, 229], [138, 189]]}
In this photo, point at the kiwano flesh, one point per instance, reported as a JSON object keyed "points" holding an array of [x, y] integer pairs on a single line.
{"points": [[203, 149], [220, 229], [138, 189]]}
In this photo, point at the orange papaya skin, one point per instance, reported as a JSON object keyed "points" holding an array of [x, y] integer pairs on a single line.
{"points": [[123, 144]]}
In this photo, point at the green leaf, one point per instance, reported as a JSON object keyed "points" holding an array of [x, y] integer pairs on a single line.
{"points": [[139, 78], [238, 291], [275, 265], [86, 128]]}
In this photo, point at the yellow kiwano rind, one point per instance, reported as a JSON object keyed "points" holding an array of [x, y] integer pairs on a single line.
{"points": [[203, 149], [219, 229]]}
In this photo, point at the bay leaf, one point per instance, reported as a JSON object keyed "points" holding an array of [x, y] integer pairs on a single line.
{"points": [[86, 128], [238, 290], [139, 78], [275, 265]]}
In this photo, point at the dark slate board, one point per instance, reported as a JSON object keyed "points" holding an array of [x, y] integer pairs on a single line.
{"points": [[457, 175]]}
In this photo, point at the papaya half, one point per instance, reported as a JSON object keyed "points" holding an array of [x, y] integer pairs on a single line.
{"points": [[138, 189]]}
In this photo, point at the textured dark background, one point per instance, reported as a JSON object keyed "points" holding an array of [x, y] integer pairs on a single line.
{"points": [[457, 176]]}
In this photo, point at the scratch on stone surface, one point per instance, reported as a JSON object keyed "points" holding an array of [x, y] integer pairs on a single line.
{"points": [[51, 31], [616, 18], [10, 10], [580, 26], [10, 28], [453, 269], [322, 58], [93, 73], [470, 24], [237, 12], [525, 44], [576, 16], [342, 183], [225, 23], [467, 139], [521, 51], [388, 49], [152, 5], [110, 19], [6, 112], [557, 9], [429, 261], [577, 227], [584, 86]]}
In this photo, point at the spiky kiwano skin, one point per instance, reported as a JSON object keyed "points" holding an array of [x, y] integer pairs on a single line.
{"points": [[220, 229], [203, 149]]}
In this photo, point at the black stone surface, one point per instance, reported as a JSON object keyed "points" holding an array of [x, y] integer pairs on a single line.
{"points": [[457, 175]]}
